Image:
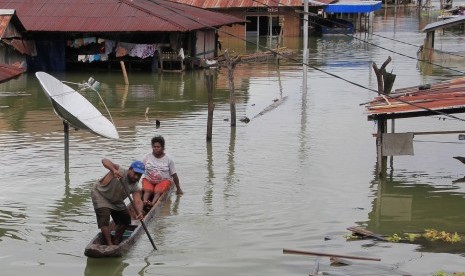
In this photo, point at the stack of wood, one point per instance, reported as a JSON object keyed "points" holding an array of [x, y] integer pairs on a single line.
{"points": [[259, 56]]}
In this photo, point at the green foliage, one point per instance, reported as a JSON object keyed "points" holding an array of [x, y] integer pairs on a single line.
{"points": [[394, 238], [352, 237], [434, 235], [442, 273], [430, 235]]}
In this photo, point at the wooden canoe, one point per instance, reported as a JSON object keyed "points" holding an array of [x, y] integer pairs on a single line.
{"points": [[97, 247]]}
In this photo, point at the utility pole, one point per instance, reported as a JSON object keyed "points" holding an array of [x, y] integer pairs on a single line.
{"points": [[305, 50]]}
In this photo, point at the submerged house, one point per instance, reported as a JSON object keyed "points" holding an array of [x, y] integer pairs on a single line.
{"points": [[148, 34], [264, 17], [13, 48], [271, 17], [351, 15]]}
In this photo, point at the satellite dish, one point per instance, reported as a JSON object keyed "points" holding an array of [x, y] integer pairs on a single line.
{"points": [[74, 109]]}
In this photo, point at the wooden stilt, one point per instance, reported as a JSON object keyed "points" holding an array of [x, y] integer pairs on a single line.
{"points": [[385, 83], [381, 160], [125, 75], [231, 64], [211, 105], [66, 132]]}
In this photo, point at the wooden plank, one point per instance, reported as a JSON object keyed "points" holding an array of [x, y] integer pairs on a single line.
{"points": [[300, 252], [364, 232], [339, 261]]}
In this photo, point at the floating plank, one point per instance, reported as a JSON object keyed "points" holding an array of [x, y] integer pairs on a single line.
{"points": [[300, 252], [363, 232], [339, 261]]}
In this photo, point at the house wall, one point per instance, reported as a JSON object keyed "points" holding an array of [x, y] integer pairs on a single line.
{"points": [[10, 56], [291, 19], [205, 43]]}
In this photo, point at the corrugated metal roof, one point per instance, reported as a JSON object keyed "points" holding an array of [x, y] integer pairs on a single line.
{"points": [[446, 97], [8, 72], [113, 16], [4, 22], [351, 6], [8, 30], [219, 4]]}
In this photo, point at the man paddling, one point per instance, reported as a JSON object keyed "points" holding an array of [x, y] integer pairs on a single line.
{"points": [[108, 197]]}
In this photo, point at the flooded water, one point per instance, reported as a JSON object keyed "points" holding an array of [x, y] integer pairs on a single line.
{"points": [[294, 177]]}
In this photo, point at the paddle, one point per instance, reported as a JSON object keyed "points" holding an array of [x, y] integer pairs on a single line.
{"points": [[137, 214]]}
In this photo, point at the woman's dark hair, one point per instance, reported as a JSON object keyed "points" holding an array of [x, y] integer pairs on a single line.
{"points": [[159, 139]]}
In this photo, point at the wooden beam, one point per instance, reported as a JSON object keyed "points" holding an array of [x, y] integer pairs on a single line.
{"points": [[299, 252]]}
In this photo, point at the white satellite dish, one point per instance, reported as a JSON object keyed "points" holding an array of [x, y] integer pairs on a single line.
{"points": [[74, 109]]}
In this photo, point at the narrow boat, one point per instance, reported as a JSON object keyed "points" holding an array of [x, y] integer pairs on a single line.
{"points": [[97, 247]]}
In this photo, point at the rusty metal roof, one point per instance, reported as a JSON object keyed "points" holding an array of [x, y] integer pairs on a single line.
{"points": [[446, 97], [444, 23], [8, 72], [6, 29], [114, 16], [221, 4]]}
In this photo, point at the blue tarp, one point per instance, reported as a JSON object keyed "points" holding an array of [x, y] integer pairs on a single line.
{"points": [[353, 7]]}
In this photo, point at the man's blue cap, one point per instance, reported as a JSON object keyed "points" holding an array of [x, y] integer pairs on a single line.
{"points": [[138, 167]]}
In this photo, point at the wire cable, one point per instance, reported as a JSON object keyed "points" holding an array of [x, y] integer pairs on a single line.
{"points": [[308, 65], [370, 43]]}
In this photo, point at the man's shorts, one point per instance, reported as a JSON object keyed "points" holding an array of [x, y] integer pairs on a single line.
{"points": [[160, 187], [119, 217]]}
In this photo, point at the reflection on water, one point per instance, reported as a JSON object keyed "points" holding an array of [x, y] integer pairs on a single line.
{"points": [[12, 220], [301, 171], [66, 212], [105, 267], [405, 205]]}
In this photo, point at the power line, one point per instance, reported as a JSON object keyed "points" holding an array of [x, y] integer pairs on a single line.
{"points": [[410, 44], [365, 41], [308, 65]]}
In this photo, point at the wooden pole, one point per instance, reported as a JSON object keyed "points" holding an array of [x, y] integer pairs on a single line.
{"points": [[128, 194], [381, 160], [231, 64], [299, 252], [305, 50], [125, 75], [383, 85], [379, 74], [66, 132], [211, 105]]}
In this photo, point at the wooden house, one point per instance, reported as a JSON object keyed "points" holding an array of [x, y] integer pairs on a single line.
{"points": [[263, 18], [148, 34]]}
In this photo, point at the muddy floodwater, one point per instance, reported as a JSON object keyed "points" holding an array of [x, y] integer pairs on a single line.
{"points": [[294, 177]]}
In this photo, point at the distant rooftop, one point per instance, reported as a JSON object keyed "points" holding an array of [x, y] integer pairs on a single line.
{"points": [[218, 4]]}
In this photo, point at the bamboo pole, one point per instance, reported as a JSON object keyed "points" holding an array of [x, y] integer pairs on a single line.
{"points": [[299, 252], [125, 75]]}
